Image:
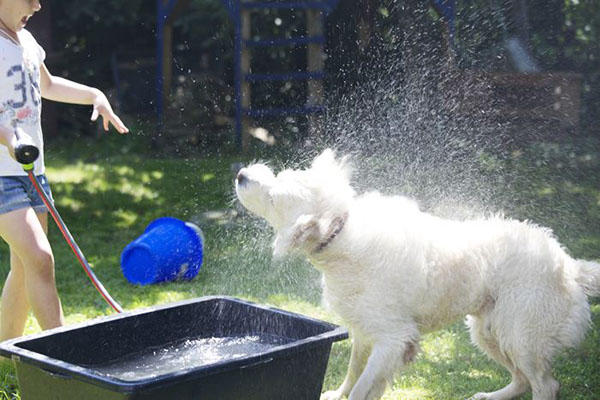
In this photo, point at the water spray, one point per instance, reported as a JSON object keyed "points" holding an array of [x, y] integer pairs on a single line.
{"points": [[26, 153]]}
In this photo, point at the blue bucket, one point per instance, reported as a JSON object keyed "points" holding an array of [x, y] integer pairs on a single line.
{"points": [[168, 250]]}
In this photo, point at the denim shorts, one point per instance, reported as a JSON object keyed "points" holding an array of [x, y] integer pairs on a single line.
{"points": [[18, 192]]}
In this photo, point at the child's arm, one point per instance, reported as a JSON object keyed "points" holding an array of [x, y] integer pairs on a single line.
{"points": [[8, 139], [66, 91]]}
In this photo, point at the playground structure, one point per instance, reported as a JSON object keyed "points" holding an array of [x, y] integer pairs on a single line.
{"points": [[240, 14], [527, 93]]}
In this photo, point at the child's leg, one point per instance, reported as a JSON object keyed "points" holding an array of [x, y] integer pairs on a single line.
{"points": [[25, 232], [15, 306]]}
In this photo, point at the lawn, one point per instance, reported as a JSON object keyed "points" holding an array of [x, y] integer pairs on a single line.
{"points": [[108, 193]]}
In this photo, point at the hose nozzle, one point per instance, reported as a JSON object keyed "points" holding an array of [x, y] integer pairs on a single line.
{"points": [[25, 151]]}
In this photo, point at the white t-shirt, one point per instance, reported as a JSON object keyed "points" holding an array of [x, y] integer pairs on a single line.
{"points": [[20, 96]]}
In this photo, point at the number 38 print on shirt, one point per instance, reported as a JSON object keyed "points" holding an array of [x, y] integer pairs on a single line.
{"points": [[21, 104]]}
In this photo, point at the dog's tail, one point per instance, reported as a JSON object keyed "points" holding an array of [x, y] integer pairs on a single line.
{"points": [[589, 277]]}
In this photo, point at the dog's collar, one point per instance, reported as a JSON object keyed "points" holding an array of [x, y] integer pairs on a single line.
{"points": [[336, 227]]}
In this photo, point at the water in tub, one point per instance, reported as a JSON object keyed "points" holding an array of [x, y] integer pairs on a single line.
{"points": [[186, 354]]}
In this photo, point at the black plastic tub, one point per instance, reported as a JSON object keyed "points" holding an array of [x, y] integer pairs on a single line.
{"points": [[282, 355]]}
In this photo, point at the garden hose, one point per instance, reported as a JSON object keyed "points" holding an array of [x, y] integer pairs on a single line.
{"points": [[26, 154]]}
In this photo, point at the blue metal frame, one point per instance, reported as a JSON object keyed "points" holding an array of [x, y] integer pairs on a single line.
{"points": [[286, 76], [279, 112], [446, 8], [234, 8], [234, 11], [285, 42], [326, 6], [160, 23]]}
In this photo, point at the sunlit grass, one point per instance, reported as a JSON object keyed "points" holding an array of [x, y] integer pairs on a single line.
{"points": [[108, 203], [98, 182], [8, 382]]}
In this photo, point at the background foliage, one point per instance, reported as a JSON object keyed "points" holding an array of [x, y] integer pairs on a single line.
{"points": [[89, 43]]}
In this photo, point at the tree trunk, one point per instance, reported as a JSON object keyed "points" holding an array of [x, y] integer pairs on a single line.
{"points": [[41, 27]]}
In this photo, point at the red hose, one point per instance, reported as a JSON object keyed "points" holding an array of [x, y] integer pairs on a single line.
{"points": [[71, 242]]}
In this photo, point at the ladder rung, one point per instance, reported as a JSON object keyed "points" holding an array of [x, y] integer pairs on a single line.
{"points": [[288, 76], [272, 112], [285, 41], [286, 5]]}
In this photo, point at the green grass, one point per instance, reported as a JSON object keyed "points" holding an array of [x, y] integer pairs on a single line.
{"points": [[107, 194]]}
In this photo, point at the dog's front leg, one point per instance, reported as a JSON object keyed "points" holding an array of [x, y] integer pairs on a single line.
{"points": [[387, 357], [358, 359]]}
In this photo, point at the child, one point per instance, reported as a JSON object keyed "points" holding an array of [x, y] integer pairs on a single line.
{"points": [[24, 80]]}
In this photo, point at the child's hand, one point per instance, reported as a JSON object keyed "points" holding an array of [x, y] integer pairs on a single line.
{"points": [[12, 145], [102, 107], [22, 148]]}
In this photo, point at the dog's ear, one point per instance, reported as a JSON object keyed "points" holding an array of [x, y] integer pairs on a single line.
{"points": [[302, 233], [309, 233]]}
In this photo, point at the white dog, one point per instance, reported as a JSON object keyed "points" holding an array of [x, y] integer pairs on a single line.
{"points": [[393, 272]]}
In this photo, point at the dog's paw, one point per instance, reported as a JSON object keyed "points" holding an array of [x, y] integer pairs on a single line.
{"points": [[332, 395]]}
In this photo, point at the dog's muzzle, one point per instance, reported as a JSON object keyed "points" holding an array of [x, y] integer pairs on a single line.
{"points": [[241, 179]]}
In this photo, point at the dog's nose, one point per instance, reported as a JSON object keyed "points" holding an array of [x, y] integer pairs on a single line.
{"points": [[241, 178]]}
